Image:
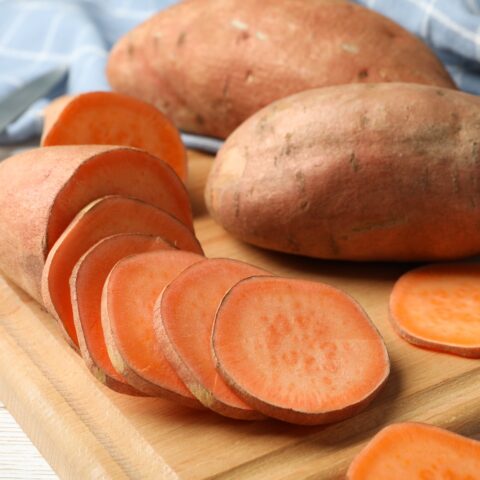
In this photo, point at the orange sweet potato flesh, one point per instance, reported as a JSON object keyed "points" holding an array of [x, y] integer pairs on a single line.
{"points": [[86, 285], [184, 316], [355, 172], [299, 351], [43, 189], [209, 65], [102, 218], [128, 298], [437, 307], [108, 118], [411, 451]]}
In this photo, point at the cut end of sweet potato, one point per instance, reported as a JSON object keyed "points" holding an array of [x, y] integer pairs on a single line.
{"points": [[120, 171], [108, 118], [102, 218], [416, 451], [299, 351], [44, 188], [438, 307], [184, 316], [128, 299], [86, 284]]}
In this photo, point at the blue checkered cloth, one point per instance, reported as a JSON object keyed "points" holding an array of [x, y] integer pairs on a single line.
{"points": [[450, 27], [38, 35]]}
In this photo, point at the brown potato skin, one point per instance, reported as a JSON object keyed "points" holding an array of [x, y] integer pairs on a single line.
{"points": [[355, 172], [210, 64]]}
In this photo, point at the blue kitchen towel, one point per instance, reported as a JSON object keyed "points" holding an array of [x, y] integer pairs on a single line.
{"points": [[38, 35], [450, 27]]}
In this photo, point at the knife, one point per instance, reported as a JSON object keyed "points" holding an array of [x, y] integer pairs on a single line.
{"points": [[202, 143], [14, 104]]}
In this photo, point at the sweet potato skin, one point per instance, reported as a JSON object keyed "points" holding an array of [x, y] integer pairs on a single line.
{"points": [[37, 183], [357, 172], [209, 65], [23, 222]]}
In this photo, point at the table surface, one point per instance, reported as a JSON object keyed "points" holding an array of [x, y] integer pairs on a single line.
{"points": [[19, 458]]}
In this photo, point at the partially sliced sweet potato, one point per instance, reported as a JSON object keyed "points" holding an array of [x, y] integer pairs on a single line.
{"points": [[86, 284], [128, 298], [108, 118], [100, 219], [43, 189], [438, 307], [303, 352], [411, 451], [184, 316]]}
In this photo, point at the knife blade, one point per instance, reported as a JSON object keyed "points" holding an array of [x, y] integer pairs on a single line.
{"points": [[14, 104], [202, 143]]}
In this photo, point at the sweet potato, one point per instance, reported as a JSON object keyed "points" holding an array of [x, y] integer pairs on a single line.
{"points": [[299, 351], [358, 172], [102, 218], [108, 118], [184, 316], [43, 189], [211, 64], [128, 298], [410, 451], [86, 284], [437, 307]]}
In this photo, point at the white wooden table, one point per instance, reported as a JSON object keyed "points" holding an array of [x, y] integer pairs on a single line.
{"points": [[19, 459]]}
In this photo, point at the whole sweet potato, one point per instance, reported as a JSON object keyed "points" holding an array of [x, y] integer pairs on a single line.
{"points": [[361, 172], [210, 64]]}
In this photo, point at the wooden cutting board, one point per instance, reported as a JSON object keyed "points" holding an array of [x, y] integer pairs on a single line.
{"points": [[86, 431]]}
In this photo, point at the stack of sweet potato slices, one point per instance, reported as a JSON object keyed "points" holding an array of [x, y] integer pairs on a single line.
{"points": [[103, 237]]}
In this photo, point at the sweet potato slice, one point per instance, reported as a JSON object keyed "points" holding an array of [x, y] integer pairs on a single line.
{"points": [[184, 316], [108, 118], [438, 307], [410, 451], [303, 352], [43, 189], [128, 298], [100, 219], [86, 284]]}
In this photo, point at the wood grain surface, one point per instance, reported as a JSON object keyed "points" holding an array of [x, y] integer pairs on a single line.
{"points": [[87, 431]]}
